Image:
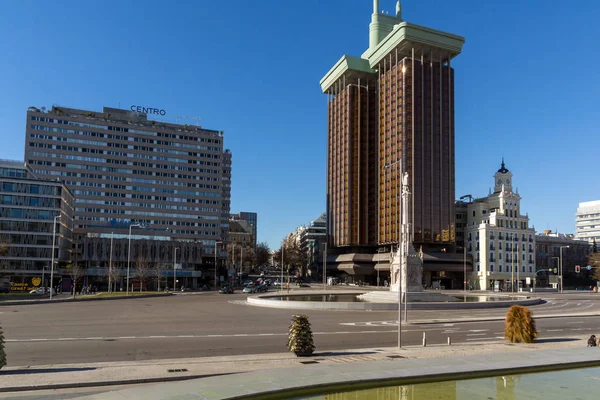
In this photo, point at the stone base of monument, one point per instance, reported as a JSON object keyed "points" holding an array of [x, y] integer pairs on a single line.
{"points": [[413, 297]]}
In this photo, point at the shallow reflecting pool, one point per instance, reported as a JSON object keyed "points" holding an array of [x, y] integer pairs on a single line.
{"points": [[341, 298], [353, 298], [574, 384]]}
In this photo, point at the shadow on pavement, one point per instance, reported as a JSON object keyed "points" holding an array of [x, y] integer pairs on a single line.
{"points": [[343, 353], [556, 340], [43, 370]]}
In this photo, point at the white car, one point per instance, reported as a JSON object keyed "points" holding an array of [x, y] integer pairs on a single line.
{"points": [[276, 283], [42, 290]]}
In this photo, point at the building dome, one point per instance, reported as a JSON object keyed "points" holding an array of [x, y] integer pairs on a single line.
{"points": [[503, 169]]}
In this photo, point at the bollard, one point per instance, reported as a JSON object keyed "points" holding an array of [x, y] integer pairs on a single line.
{"points": [[424, 340], [449, 341]]}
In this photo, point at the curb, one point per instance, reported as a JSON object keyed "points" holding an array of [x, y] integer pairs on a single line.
{"points": [[108, 383], [75, 300], [458, 321]]}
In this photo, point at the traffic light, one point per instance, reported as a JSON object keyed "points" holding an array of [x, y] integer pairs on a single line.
{"points": [[577, 269]]}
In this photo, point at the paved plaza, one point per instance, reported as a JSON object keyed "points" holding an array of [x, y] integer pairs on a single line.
{"points": [[140, 340]]}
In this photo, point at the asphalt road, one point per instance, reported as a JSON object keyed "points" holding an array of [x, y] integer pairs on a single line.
{"points": [[209, 324]]}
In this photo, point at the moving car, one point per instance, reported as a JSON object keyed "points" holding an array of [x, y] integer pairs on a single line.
{"points": [[226, 290]]}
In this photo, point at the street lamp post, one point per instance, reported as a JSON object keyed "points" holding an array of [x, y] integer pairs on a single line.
{"points": [[110, 263], [241, 265], [129, 253], [175, 269], [216, 242], [325, 265], [281, 282], [535, 276], [52, 258], [400, 247], [561, 267]]}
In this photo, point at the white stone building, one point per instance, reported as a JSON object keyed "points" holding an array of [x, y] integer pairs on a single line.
{"points": [[499, 238], [588, 222]]}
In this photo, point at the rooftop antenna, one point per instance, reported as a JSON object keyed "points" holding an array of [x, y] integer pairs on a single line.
{"points": [[197, 119]]}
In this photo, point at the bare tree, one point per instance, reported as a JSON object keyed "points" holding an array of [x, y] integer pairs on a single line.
{"points": [[142, 268], [112, 274], [262, 254], [158, 270], [594, 262], [75, 272]]}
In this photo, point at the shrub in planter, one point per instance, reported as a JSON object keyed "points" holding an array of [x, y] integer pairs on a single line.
{"points": [[2, 352], [300, 339], [520, 325]]}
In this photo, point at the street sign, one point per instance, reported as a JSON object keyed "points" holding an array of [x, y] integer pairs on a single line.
{"points": [[589, 267]]}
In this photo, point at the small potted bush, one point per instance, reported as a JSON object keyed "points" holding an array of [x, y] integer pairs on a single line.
{"points": [[300, 339], [520, 325]]}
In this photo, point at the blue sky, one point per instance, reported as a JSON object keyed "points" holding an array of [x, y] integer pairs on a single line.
{"points": [[527, 86]]}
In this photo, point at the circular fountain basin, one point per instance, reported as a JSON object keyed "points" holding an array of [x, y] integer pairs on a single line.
{"points": [[352, 301]]}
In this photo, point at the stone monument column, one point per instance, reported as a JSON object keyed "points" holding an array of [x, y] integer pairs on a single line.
{"points": [[406, 264]]}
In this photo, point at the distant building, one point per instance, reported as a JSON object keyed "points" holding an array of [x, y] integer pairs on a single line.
{"points": [[588, 221], [498, 237], [241, 240], [166, 185], [251, 219], [548, 246], [28, 207]]}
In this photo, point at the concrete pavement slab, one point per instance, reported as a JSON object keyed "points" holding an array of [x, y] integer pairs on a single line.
{"points": [[117, 373]]}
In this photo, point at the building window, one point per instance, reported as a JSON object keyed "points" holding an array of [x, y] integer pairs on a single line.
{"points": [[530, 268], [478, 268], [499, 268]]}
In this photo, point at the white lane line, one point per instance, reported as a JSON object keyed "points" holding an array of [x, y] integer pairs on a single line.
{"points": [[214, 335], [156, 337], [124, 337], [575, 322], [186, 336], [478, 330], [476, 334], [66, 338], [241, 334], [94, 338], [554, 330]]}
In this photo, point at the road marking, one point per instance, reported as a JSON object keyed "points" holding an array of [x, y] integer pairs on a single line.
{"points": [[241, 334], [265, 334], [448, 325], [554, 330], [156, 337], [122, 337], [66, 338], [476, 334], [478, 330], [214, 335], [186, 336], [94, 338]]}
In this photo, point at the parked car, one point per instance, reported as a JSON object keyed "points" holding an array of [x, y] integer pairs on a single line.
{"points": [[226, 290], [250, 289]]}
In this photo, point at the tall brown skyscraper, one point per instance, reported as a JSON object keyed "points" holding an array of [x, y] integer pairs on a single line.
{"points": [[392, 110]]}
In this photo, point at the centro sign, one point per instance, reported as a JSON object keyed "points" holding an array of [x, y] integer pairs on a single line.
{"points": [[146, 110]]}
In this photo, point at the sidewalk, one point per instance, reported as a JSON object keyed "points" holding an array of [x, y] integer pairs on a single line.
{"points": [[119, 373]]}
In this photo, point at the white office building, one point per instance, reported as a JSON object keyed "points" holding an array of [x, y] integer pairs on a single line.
{"points": [[587, 222], [499, 238]]}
